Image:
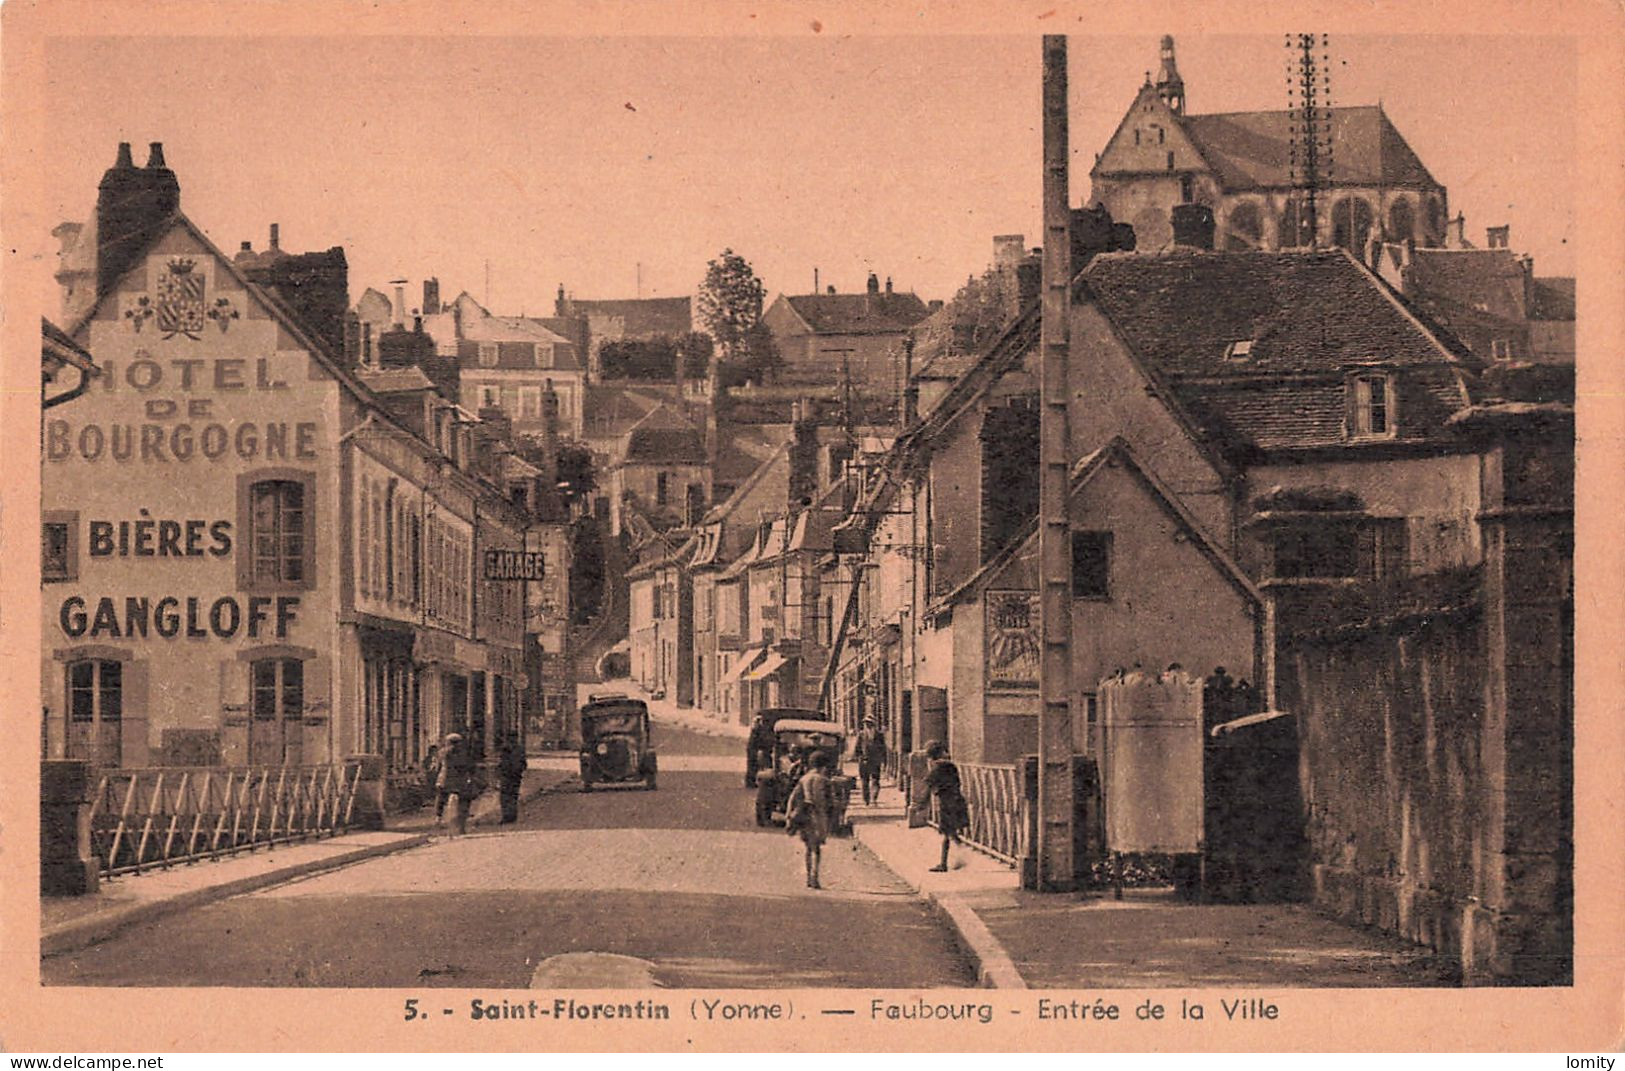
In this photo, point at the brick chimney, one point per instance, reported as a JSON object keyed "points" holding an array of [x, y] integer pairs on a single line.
{"points": [[1008, 249], [431, 296], [803, 478], [874, 284], [131, 208], [1498, 237]]}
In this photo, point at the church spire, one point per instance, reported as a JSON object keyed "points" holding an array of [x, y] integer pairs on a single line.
{"points": [[1170, 87]]}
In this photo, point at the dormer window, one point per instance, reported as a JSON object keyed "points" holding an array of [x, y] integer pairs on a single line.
{"points": [[1240, 350], [1501, 349], [488, 354], [1372, 407]]}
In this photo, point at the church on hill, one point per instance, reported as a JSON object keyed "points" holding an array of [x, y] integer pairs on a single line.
{"points": [[1240, 165]]}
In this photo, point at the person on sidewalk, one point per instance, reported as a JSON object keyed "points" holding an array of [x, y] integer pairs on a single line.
{"points": [[461, 772], [942, 782], [758, 749], [807, 812], [511, 766], [440, 793], [869, 752], [429, 772]]}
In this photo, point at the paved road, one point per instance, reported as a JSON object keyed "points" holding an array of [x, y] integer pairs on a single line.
{"points": [[617, 887]]}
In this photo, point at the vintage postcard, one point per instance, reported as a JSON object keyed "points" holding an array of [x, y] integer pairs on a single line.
{"points": [[731, 526]]}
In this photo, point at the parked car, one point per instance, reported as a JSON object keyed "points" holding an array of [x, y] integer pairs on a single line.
{"points": [[793, 740], [616, 747]]}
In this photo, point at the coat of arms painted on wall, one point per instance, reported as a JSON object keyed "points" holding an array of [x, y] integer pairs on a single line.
{"points": [[179, 296]]}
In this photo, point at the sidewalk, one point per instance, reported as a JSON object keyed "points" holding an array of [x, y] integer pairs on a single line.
{"points": [[70, 923], [1149, 939]]}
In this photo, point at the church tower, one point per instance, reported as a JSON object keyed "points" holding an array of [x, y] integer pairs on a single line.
{"points": [[1170, 87]]}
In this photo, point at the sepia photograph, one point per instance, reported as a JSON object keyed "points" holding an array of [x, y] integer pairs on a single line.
{"points": [[598, 528]]}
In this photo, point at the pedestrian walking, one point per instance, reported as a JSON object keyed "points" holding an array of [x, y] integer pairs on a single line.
{"points": [[511, 766], [807, 813], [869, 752], [460, 777], [758, 749], [429, 773], [440, 793], [942, 782]]}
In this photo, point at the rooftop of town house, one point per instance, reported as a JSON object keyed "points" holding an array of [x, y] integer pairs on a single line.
{"points": [[394, 380], [664, 437], [726, 509], [1253, 150], [1256, 346], [1117, 453], [858, 314], [1552, 298], [640, 317], [1489, 282]]}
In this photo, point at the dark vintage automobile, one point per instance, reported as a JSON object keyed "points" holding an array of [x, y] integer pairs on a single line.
{"points": [[793, 740], [615, 743]]}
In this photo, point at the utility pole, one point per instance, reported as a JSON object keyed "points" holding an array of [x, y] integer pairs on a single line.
{"points": [[1055, 808], [1309, 87]]}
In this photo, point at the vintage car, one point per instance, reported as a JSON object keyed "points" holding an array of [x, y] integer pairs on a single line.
{"points": [[793, 740], [615, 743]]}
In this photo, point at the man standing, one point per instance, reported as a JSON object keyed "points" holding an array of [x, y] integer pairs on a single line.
{"points": [[869, 752], [461, 773], [758, 749], [511, 771]]}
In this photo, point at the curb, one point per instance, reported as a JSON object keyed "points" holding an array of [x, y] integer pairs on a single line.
{"points": [[84, 932], [993, 966]]}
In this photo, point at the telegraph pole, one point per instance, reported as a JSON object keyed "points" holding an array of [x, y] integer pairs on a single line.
{"points": [[1055, 809]]}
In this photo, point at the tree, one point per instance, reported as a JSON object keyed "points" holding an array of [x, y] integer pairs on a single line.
{"points": [[651, 360], [576, 476], [694, 351], [730, 302]]}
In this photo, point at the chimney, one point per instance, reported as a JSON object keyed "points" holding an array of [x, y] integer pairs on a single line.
{"points": [[874, 284], [431, 296], [366, 344], [831, 291], [246, 247], [1498, 237], [1193, 226], [400, 297], [803, 479], [559, 304], [815, 278], [888, 286], [1008, 249], [131, 206], [911, 389]]}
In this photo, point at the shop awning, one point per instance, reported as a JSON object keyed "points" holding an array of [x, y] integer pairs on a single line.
{"points": [[772, 665], [747, 657]]}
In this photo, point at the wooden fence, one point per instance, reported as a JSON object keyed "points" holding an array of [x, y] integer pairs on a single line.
{"points": [[159, 816]]}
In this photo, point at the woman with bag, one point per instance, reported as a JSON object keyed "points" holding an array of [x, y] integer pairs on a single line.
{"points": [[942, 782], [808, 813]]}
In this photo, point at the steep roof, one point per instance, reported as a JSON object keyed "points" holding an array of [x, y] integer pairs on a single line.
{"points": [[858, 314], [1253, 150], [1484, 280], [1117, 452], [641, 316], [1310, 319], [1552, 298], [664, 437]]}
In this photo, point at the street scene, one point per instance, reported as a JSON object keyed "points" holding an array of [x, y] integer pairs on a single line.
{"points": [[1127, 543]]}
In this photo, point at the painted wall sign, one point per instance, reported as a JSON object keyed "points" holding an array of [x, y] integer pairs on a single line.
{"points": [[515, 565], [173, 616], [1012, 639]]}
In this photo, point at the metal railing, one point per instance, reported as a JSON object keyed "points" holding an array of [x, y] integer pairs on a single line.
{"points": [[1000, 813], [159, 816]]}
